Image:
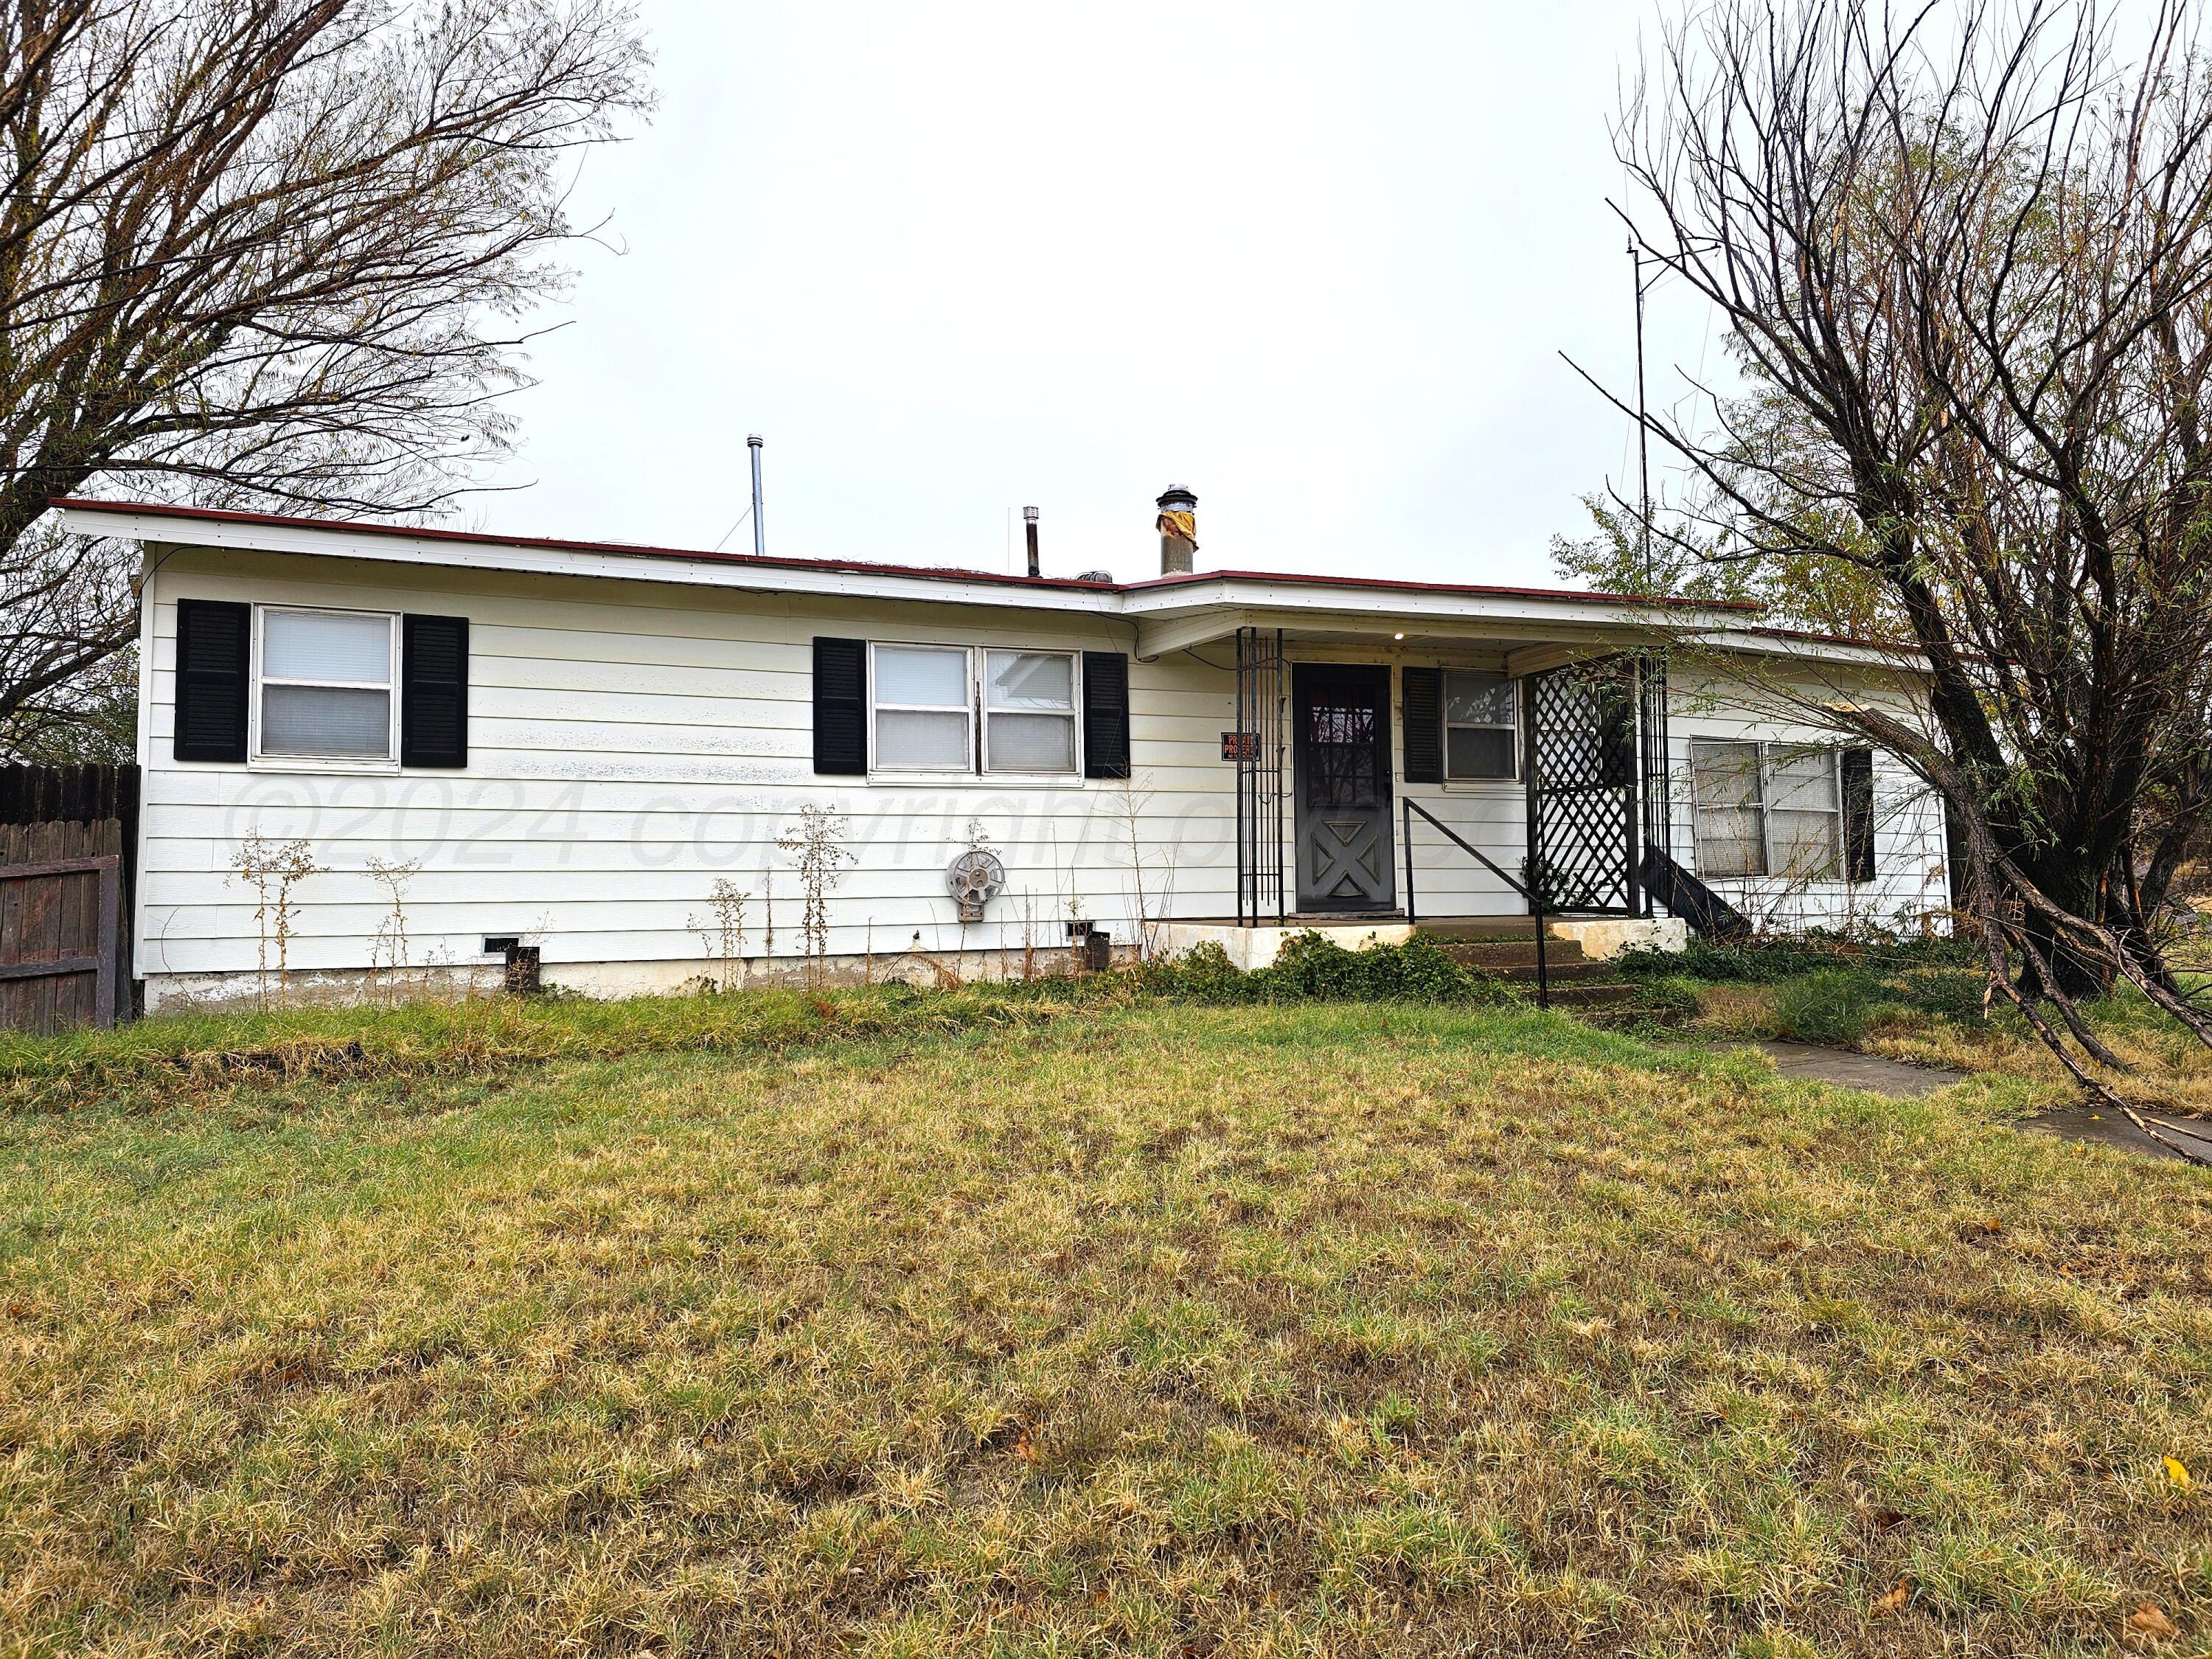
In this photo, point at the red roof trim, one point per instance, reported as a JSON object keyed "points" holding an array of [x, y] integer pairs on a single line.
{"points": [[480, 538]]}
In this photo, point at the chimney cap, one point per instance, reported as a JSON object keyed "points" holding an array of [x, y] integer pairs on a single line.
{"points": [[1030, 514], [1178, 500]]}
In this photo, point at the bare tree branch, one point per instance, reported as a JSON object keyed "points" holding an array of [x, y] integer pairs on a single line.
{"points": [[1964, 259], [268, 252]]}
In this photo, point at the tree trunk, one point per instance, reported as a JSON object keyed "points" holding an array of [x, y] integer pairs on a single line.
{"points": [[2078, 884]]}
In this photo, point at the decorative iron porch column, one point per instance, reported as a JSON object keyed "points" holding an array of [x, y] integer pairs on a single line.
{"points": [[1258, 746]]}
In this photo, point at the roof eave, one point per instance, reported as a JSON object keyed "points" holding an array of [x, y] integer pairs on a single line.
{"points": [[1354, 604]]}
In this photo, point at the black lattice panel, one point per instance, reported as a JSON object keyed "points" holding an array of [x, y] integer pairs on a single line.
{"points": [[1582, 753]]}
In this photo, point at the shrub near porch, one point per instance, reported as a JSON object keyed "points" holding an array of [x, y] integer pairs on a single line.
{"points": [[910, 1325]]}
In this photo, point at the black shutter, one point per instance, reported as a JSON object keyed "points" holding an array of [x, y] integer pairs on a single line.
{"points": [[1858, 814], [213, 657], [433, 691], [1424, 725], [840, 707], [1105, 715]]}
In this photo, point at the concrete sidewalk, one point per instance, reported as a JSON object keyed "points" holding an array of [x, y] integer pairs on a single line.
{"points": [[2091, 1126], [1846, 1070], [2094, 1125]]}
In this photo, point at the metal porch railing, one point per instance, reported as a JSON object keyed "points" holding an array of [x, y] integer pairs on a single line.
{"points": [[1535, 895]]}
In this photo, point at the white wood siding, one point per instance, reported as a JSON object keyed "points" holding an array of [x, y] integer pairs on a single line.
{"points": [[630, 743], [1912, 877]]}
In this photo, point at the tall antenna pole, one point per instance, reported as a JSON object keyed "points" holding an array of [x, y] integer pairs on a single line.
{"points": [[1642, 436], [760, 536]]}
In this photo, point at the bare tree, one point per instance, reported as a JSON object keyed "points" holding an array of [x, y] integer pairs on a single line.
{"points": [[266, 252], [1964, 258]]}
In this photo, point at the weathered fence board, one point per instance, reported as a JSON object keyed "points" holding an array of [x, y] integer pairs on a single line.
{"points": [[68, 794], [60, 934], [67, 836]]}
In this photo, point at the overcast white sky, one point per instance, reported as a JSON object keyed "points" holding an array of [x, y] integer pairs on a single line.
{"points": [[1316, 263]]}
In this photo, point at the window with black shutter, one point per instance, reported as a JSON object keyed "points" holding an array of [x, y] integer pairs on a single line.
{"points": [[840, 707], [433, 706], [326, 686], [1424, 725], [1105, 715], [213, 661], [1858, 814]]}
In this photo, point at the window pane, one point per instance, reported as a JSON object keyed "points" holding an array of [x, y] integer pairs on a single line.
{"points": [[1802, 780], [911, 742], [906, 674], [1031, 679], [1730, 843], [314, 720], [1807, 845], [1725, 773], [314, 645], [1478, 699], [1479, 751], [1030, 742]]}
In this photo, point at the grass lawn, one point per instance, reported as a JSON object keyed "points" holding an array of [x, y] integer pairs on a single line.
{"points": [[904, 1324]]}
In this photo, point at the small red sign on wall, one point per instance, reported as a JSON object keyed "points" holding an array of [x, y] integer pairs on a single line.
{"points": [[1240, 745]]}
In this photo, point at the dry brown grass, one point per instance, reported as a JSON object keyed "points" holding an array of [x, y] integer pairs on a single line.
{"points": [[1275, 1330]]}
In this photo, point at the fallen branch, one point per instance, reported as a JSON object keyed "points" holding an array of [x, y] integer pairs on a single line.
{"points": [[2172, 1145]]}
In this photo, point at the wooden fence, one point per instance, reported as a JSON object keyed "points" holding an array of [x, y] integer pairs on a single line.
{"points": [[67, 838]]}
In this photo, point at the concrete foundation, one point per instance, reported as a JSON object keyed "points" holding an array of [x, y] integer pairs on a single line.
{"points": [[340, 987], [1254, 948], [1248, 948], [1603, 938]]}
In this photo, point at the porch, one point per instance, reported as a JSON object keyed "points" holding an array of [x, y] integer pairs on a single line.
{"points": [[1390, 772]]}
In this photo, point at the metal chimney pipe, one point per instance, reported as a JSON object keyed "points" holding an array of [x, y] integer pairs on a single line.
{"points": [[760, 537], [1178, 533], [1029, 528]]}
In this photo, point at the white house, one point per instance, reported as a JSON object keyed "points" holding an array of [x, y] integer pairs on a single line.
{"points": [[569, 743]]}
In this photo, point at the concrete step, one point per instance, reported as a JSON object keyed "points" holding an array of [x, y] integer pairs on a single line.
{"points": [[1520, 926], [1478, 928], [1498, 957], [1584, 994], [1577, 981], [1578, 970]]}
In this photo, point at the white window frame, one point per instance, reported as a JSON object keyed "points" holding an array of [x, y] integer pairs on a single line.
{"points": [[1472, 779], [967, 709], [1765, 750], [386, 763], [1073, 715], [978, 710]]}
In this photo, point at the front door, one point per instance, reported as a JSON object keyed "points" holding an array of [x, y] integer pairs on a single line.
{"points": [[1341, 722]]}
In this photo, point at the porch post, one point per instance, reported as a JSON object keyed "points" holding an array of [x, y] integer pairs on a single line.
{"points": [[1242, 860], [1531, 789], [1280, 722], [1259, 752]]}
